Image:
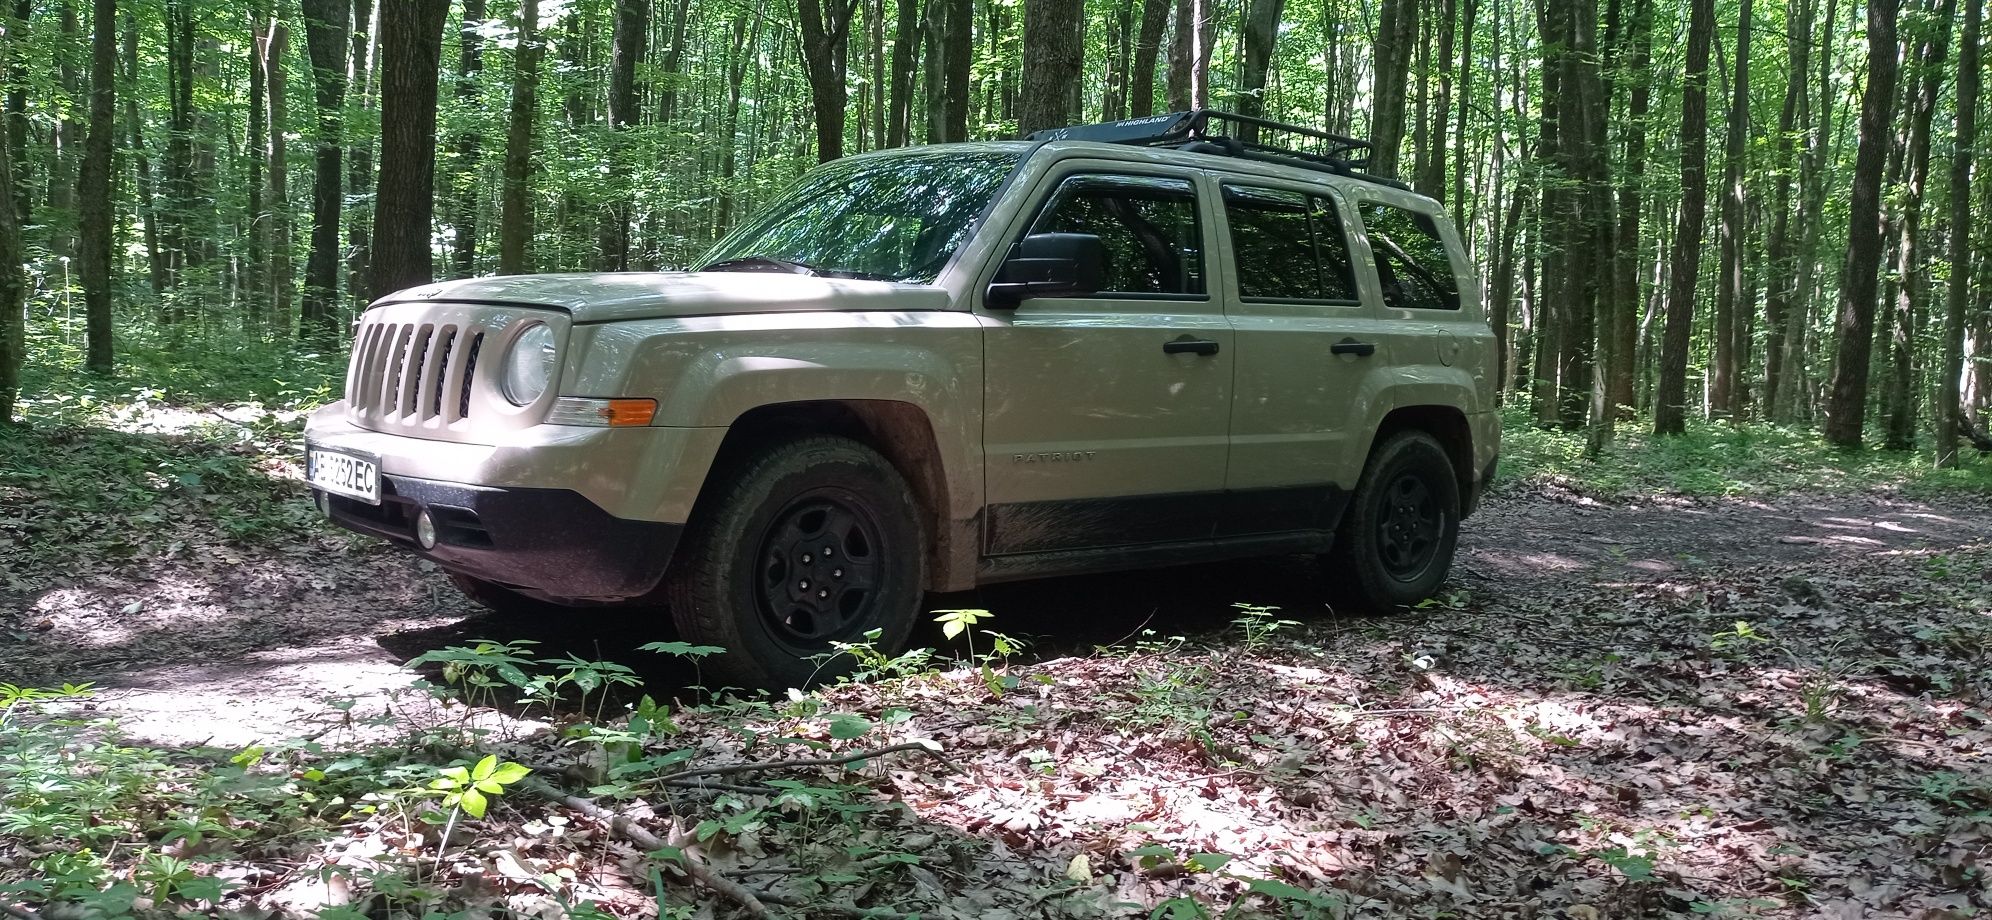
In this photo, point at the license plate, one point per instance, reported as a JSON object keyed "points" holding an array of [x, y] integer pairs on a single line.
{"points": [[343, 474]]}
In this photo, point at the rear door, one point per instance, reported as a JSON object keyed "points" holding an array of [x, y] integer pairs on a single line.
{"points": [[1308, 342], [1106, 416]]}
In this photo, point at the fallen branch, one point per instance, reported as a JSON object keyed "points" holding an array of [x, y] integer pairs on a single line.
{"points": [[690, 858], [926, 747], [18, 913]]}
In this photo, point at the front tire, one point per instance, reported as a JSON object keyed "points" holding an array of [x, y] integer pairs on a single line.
{"points": [[810, 543], [1395, 546]]}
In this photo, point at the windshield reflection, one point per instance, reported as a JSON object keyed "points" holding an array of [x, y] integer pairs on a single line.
{"points": [[892, 218]]}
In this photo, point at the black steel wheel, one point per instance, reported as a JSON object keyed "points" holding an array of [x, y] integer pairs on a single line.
{"points": [[809, 543], [1395, 545]]}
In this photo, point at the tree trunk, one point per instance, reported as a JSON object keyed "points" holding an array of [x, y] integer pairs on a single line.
{"points": [[1911, 268], [515, 222], [1724, 394], [1621, 357], [1846, 398], [1780, 294], [360, 172], [1950, 370], [1670, 394], [411, 49], [281, 246], [1397, 32], [1141, 95], [1052, 49], [255, 149], [1459, 129], [468, 142], [17, 125], [1432, 156], [632, 26], [181, 255], [1179, 56], [950, 35], [66, 135], [825, 29], [673, 58], [905, 57], [326, 32], [93, 186], [1262, 26], [1798, 392], [729, 157], [13, 283]]}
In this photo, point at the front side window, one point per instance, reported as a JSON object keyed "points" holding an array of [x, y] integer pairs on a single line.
{"points": [[1288, 246], [890, 218], [1411, 260], [1154, 241]]}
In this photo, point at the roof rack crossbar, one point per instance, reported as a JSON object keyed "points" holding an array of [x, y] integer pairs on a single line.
{"points": [[1192, 131]]}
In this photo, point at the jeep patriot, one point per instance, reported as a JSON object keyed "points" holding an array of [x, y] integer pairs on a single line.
{"points": [[1106, 347]]}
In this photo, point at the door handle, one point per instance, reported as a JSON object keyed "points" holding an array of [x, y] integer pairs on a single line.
{"points": [[1184, 344], [1353, 347]]}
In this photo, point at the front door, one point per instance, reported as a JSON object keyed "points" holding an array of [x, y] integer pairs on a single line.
{"points": [[1106, 416]]}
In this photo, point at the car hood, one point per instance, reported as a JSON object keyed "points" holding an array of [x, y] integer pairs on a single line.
{"points": [[607, 297]]}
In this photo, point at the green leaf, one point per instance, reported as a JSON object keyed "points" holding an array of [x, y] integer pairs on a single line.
{"points": [[484, 767], [952, 628], [509, 773], [681, 649], [1206, 862], [846, 727], [473, 802]]}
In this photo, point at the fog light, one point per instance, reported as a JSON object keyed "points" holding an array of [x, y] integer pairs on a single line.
{"points": [[425, 530]]}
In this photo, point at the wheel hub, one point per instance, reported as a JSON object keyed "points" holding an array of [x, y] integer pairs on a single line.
{"points": [[1408, 528], [819, 571]]}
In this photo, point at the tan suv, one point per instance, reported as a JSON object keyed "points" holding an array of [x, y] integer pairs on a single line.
{"points": [[1107, 347]]}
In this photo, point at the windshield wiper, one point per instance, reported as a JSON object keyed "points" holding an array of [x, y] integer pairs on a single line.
{"points": [[762, 264]]}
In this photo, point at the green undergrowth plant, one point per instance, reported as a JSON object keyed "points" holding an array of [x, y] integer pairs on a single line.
{"points": [[1715, 459]]}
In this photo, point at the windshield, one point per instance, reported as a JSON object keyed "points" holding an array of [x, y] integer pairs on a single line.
{"points": [[891, 218]]}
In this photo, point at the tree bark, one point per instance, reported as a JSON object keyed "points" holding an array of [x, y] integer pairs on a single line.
{"points": [[950, 28], [182, 255], [468, 142], [1052, 48], [1397, 32], [1912, 288], [632, 26], [1141, 95], [515, 223], [327, 30], [1179, 56], [1846, 398], [411, 49], [1780, 293], [93, 186], [825, 29], [13, 282], [1950, 370], [1621, 355], [905, 63], [1724, 394], [1262, 26], [1797, 392], [672, 59], [1432, 156], [280, 244], [1670, 393], [17, 116], [359, 170]]}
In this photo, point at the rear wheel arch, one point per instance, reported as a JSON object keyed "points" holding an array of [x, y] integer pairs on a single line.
{"points": [[1449, 426]]}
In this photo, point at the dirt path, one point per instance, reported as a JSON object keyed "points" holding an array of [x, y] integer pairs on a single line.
{"points": [[225, 647]]}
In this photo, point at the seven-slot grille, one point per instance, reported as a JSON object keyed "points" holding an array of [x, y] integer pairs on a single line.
{"points": [[409, 373]]}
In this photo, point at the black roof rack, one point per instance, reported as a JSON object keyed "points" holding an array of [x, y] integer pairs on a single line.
{"points": [[1191, 131]]}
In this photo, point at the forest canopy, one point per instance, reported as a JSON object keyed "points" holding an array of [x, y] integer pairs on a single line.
{"points": [[1740, 209]]}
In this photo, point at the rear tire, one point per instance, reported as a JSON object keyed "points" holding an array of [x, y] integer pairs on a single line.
{"points": [[1395, 545], [810, 542]]}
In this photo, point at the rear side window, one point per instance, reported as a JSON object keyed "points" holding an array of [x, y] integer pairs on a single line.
{"points": [[1149, 224], [1288, 246], [1411, 261]]}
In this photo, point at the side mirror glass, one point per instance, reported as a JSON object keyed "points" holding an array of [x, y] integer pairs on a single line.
{"points": [[1049, 265]]}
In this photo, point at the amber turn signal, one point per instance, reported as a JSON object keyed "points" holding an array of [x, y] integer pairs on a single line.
{"points": [[602, 413]]}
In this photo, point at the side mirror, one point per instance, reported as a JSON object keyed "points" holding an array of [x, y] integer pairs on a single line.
{"points": [[1049, 265]]}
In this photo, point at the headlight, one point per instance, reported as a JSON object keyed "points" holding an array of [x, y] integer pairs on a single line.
{"points": [[529, 365]]}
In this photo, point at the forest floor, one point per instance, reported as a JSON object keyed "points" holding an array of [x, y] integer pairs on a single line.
{"points": [[1772, 698]]}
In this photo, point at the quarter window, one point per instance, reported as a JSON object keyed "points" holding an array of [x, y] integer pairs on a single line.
{"points": [[1411, 260], [1288, 246], [1153, 239]]}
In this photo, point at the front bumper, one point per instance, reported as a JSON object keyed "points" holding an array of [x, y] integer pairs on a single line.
{"points": [[550, 543]]}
